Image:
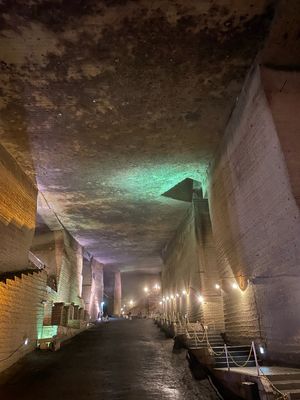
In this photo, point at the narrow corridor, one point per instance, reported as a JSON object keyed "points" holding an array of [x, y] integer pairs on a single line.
{"points": [[119, 360]]}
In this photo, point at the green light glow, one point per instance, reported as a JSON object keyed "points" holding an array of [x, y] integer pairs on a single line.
{"points": [[152, 182], [48, 331]]}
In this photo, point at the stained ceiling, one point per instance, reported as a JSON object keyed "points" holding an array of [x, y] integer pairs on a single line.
{"points": [[109, 104]]}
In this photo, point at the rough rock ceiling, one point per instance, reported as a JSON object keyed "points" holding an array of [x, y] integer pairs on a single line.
{"points": [[108, 104]]}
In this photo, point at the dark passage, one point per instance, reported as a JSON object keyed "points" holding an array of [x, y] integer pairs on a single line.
{"points": [[119, 360]]}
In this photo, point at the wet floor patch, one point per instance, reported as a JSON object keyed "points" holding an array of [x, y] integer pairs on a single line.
{"points": [[120, 360]]}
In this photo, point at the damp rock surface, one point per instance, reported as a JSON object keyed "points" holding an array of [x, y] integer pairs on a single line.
{"points": [[119, 360]]}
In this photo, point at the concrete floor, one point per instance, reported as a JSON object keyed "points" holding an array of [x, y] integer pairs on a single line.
{"points": [[120, 360]]}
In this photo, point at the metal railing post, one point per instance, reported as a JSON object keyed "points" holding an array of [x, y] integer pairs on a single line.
{"points": [[226, 354], [255, 357]]}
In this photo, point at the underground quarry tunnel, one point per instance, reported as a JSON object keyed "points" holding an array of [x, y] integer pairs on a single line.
{"points": [[149, 199]]}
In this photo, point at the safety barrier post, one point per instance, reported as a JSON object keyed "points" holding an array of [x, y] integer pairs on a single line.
{"points": [[255, 357], [226, 354]]}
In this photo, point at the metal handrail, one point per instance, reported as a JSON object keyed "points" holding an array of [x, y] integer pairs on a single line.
{"points": [[35, 260]]}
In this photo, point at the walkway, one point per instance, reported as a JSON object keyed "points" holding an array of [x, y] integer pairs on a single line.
{"points": [[120, 360]]}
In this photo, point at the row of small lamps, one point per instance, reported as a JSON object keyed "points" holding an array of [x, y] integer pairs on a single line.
{"points": [[234, 285]]}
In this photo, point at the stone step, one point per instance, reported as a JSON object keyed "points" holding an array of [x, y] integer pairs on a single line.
{"points": [[287, 385], [239, 359], [250, 363], [201, 336], [284, 377], [234, 353], [214, 342], [294, 394], [234, 348], [196, 343]]}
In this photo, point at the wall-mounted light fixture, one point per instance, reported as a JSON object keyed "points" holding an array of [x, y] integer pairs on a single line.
{"points": [[201, 299]]}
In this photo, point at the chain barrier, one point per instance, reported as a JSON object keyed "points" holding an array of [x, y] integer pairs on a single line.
{"points": [[205, 336], [187, 333], [283, 396], [197, 338], [211, 348], [237, 364], [185, 324]]}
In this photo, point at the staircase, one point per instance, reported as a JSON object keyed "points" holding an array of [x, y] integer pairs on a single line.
{"points": [[12, 276], [239, 354], [197, 340], [21, 296], [288, 384]]}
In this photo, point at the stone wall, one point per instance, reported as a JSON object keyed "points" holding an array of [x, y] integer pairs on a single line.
{"points": [[191, 267], [282, 89], [255, 221], [181, 272], [21, 317], [70, 272], [248, 240], [63, 258], [17, 214]]}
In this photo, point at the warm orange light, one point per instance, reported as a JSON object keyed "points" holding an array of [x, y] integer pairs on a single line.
{"points": [[201, 299]]}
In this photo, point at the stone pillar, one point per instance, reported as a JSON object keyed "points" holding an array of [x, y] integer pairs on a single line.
{"points": [[79, 257], [109, 287], [117, 294], [57, 314], [96, 289], [76, 314], [86, 283]]}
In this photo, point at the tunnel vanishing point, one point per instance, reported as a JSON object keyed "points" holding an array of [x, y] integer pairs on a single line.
{"points": [[150, 168]]}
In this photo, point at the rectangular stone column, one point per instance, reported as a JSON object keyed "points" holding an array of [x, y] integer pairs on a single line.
{"points": [[57, 314], [117, 294], [96, 290]]}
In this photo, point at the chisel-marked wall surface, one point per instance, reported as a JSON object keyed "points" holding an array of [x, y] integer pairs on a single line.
{"points": [[256, 227], [190, 269], [17, 214], [63, 258]]}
